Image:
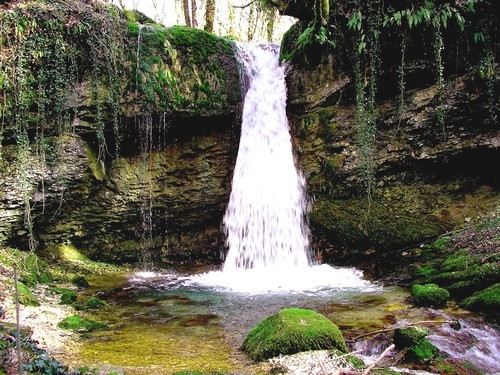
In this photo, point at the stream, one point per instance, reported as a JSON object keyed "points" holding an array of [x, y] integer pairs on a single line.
{"points": [[164, 323]]}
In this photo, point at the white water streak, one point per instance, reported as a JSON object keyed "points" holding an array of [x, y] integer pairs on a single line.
{"points": [[265, 218]]}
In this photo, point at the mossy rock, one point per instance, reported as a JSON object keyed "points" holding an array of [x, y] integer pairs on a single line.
{"points": [[68, 296], [80, 282], [406, 337], [80, 324], [418, 348], [422, 352], [429, 295], [487, 301], [384, 229], [95, 303], [291, 331], [25, 296]]}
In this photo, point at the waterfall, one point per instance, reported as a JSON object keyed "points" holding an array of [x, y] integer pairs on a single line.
{"points": [[265, 222]]}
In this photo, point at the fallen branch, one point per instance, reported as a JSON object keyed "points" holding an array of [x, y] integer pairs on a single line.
{"points": [[423, 322], [384, 353], [18, 323]]}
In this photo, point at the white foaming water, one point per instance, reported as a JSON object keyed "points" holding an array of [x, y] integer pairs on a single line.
{"points": [[265, 220]]}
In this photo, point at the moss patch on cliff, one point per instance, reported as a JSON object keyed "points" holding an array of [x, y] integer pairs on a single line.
{"points": [[384, 225], [182, 68]]}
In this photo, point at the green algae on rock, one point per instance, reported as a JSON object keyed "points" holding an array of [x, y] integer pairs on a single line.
{"points": [[291, 331]]}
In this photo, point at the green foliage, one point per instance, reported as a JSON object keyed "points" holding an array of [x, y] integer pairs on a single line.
{"points": [[291, 331], [35, 360]]}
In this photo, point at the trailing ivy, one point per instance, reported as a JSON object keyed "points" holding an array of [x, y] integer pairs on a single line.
{"points": [[47, 50], [355, 29]]}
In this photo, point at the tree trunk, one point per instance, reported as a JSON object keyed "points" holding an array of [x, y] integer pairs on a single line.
{"points": [[209, 16], [190, 12]]}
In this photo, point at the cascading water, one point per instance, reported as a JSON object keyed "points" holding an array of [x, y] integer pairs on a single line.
{"points": [[265, 220]]}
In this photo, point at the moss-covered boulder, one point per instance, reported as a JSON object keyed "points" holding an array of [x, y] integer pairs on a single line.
{"points": [[418, 348], [486, 301], [429, 295], [291, 331], [25, 296], [68, 296], [80, 324], [95, 303]]}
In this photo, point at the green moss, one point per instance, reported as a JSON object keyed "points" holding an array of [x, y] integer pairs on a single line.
{"points": [[80, 281], [486, 300], [133, 28], [25, 296], [406, 337], [441, 242], [418, 348], [45, 277], [95, 303], [422, 352], [334, 165], [97, 166], [68, 296], [291, 331], [458, 261], [383, 226], [81, 324], [429, 295]]}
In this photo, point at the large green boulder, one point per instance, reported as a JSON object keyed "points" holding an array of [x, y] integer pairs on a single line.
{"points": [[429, 295], [291, 331]]}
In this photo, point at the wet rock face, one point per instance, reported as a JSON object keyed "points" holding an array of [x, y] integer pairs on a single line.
{"points": [[170, 200], [139, 147], [429, 177]]}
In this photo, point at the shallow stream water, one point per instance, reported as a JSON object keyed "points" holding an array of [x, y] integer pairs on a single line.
{"points": [[164, 323]]}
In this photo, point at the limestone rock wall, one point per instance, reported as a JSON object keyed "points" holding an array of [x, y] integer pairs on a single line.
{"points": [[124, 142], [430, 177]]}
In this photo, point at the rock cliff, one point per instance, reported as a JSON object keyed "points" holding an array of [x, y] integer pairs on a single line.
{"points": [[118, 135], [417, 160]]}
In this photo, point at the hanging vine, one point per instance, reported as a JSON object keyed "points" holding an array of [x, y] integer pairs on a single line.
{"points": [[45, 49], [366, 72]]}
